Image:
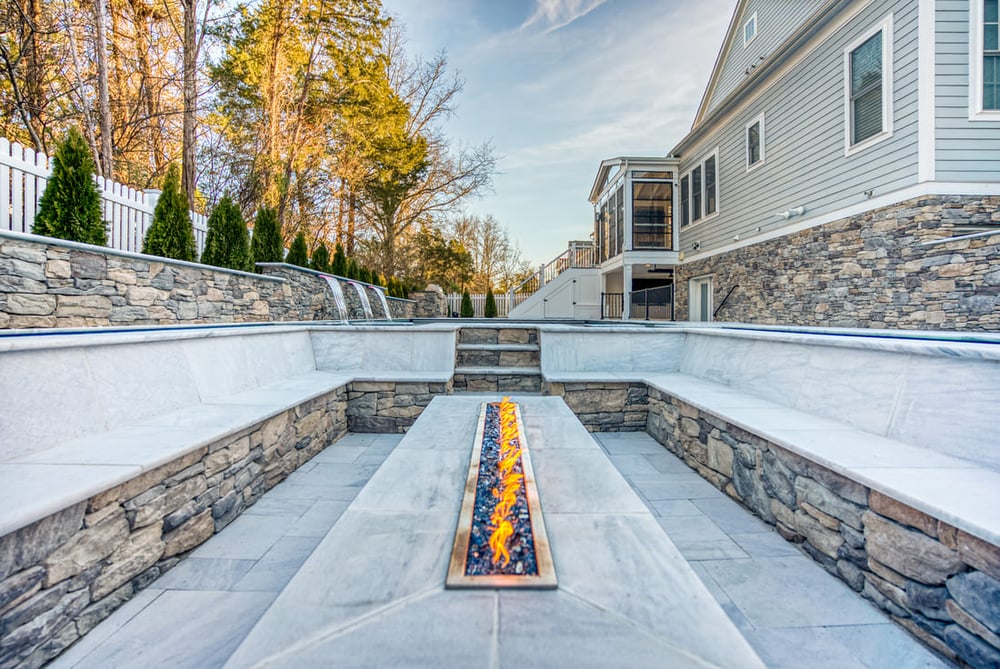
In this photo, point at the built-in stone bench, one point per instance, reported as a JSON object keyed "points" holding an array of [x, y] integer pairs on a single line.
{"points": [[866, 451], [121, 451]]}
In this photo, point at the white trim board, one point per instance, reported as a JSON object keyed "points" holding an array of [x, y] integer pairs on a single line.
{"points": [[919, 190]]}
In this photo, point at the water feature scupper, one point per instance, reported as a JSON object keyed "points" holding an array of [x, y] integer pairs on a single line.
{"points": [[366, 305], [338, 297], [385, 303]]}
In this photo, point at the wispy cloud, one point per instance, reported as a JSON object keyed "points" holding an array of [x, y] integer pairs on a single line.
{"points": [[552, 15]]}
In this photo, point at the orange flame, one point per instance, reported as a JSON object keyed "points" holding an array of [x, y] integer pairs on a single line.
{"points": [[510, 484]]}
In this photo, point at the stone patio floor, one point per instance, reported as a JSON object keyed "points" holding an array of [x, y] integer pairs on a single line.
{"points": [[793, 613]]}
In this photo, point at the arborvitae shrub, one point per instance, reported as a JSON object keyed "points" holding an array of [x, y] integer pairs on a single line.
{"points": [[320, 259], [298, 253], [339, 264], [467, 310], [351, 269], [171, 234], [265, 245], [70, 207], [227, 243], [490, 307]]}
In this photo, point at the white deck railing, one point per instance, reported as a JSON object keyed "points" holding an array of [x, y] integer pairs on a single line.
{"points": [[128, 212], [577, 255]]}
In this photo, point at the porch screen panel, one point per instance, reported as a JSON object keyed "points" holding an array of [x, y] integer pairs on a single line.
{"points": [[866, 89], [620, 218], [652, 212]]}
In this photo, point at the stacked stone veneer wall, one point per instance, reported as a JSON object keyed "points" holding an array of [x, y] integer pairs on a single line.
{"points": [[940, 583], [49, 283], [605, 407], [388, 406], [870, 270], [62, 575]]}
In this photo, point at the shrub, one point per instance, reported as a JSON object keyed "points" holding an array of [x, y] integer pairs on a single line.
{"points": [[265, 245], [467, 310], [490, 307], [339, 264], [320, 259], [171, 234], [227, 243], [70, 207], [298, 253]]}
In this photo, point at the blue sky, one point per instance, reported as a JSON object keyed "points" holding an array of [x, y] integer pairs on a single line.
{"points": [[558, 86]]}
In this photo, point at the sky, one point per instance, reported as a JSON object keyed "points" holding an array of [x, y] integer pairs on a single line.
{"points": [[558, 86]]}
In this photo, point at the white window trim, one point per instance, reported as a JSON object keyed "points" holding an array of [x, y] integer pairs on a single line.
{"points": [[976, 111], [746, 143], [885, 26], [756, 30], [718, 200]]}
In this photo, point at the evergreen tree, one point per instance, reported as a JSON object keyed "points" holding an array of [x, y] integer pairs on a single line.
{"points": [[265, 245], [467, 309], [320, 259], [339, 264], [490, 308], [227, 243], [70, 207], [298, 253], [171, 234]]}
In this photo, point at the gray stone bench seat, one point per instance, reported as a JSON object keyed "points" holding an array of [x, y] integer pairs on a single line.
{"points": [[961, 492], [77, 469]]}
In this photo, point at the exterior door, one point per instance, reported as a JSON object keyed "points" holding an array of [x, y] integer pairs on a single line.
{"points": [[700, 299]]}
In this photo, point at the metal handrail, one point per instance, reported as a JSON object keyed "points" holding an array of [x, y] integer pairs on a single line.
{"points": [[724, 300], [660, 296]]}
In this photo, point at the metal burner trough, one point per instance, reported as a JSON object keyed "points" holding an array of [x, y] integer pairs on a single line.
{"points": [[459, 576]]}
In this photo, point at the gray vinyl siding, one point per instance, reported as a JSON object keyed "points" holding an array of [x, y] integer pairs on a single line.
{"points": [[804, 123], [776, 21], [965, 150]]}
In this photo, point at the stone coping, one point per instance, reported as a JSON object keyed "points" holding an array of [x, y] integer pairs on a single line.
{"points": [[105, 250], [80, 468]]}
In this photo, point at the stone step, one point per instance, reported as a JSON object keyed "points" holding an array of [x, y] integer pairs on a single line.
{"points": [[497, 347], [497, 358], [472, 380], [486, 335], [498, 371]]}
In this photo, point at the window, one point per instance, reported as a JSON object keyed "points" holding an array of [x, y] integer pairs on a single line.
{"points": [[710, 186], [750, 29], [652, 214], [869, 91], [984, 59], [700, 190], [685, 201], [755, 142], [620, 218], [696, 193]]}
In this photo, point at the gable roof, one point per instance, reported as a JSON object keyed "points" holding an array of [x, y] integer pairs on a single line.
{"points": [[779, 21]]}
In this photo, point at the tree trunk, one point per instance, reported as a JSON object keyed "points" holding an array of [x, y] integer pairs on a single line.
{"points": [[104, 98], [352, 209], [190, 100]]}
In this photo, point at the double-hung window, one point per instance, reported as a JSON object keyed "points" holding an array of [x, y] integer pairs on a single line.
{"points": [[755, 142], [868, 73], [750, 29], [984, 59], [700, 190]]}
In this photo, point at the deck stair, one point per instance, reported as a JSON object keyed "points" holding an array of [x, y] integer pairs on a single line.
{"points": [[497, 359]]}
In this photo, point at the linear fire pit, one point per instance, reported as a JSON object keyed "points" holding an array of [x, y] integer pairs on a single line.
{"points": [[500, 541]]}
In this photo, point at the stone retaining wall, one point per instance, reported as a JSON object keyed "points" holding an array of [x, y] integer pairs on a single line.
{"points": [[938, 582], [62, 575], [870, 270], [48, 283], [389, 406], [605, 407]]}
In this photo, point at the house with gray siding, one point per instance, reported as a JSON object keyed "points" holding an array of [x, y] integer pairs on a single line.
{"points": [[843, 169]]}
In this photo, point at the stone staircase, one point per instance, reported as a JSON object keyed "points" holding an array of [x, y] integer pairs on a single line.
{"points": [[497, 359]]}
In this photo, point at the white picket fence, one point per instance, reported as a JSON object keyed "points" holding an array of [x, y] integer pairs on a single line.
{"points": [[479, 303], [128, 212]]}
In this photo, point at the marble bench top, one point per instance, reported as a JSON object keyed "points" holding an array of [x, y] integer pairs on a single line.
{"points": [[38, 484]]}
